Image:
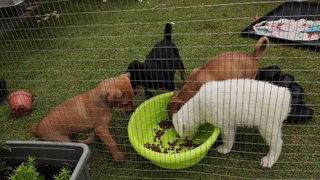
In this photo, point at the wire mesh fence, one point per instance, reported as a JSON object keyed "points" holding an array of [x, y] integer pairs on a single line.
{"points": [[133, 78]]}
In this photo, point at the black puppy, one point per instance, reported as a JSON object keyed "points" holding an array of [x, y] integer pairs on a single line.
{"points": [[299, 111], [157, 71]]}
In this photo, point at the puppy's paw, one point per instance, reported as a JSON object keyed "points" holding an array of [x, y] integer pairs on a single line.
{"points": [[119, 157], [267, 161], [223, 149]]}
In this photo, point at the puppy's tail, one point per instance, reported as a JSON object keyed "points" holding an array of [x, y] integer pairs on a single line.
{"points": [[261, 47], [167, 31]]}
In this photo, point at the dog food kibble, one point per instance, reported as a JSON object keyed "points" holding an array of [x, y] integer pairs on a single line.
{"points": [[165, 124], [175, 146], [156, 148], [159, 133], [153, 147], [189, 144]]}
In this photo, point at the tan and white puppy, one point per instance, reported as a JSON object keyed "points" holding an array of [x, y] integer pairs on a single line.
{"points": [[229, 65]]}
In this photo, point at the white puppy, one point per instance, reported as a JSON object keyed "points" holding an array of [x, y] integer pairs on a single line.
{"points": [[238, 102]]}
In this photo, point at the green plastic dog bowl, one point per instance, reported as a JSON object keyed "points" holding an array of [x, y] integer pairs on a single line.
{"points": [[141, 130]]}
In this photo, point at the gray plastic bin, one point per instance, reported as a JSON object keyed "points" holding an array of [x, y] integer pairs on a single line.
{"points": [[51, 153]]}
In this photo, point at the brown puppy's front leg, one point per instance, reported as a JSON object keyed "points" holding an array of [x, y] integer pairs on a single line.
{"points": [[106, 137]]}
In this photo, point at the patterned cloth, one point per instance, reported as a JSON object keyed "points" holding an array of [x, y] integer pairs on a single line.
{"points": [[302, 30]]}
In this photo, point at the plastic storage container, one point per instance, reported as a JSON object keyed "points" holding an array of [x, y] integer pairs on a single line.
{"points": [[51, 154]]}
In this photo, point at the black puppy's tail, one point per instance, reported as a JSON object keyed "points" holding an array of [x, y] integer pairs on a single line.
{"points": [[167, 31]]}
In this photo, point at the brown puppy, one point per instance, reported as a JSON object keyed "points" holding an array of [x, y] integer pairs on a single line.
{"points": [[229, 65], [89, 111]]}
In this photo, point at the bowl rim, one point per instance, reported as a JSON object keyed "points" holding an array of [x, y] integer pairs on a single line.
{"points": [[163, 157]]}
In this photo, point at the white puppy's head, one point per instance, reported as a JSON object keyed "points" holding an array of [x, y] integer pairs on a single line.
{"points": [[185, 126]]}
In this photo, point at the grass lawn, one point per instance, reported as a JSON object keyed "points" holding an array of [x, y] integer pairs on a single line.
{"points": [[91, 41]]}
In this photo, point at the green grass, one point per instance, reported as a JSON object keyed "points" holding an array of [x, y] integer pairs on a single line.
{"points": [[92, 41]]}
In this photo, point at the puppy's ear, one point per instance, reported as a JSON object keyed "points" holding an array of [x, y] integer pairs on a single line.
{"points": [[137, 64], [128, 74], [188, 90], [113, 95]]}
